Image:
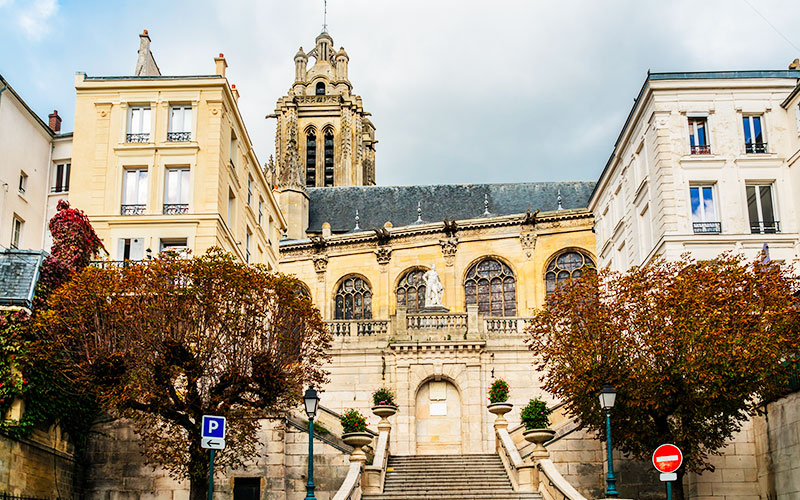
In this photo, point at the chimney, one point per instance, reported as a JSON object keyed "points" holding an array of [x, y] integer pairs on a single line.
{"points": [[795, 64], [145, 62], [221, 64], [235, 93], [55, 121]]}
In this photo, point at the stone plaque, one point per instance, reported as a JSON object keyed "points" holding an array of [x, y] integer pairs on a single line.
{"points": [[438, 409]]}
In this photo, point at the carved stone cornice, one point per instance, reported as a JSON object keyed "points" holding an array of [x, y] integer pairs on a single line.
{"points": [[449, 247], [528, 240], [320, 265], [384, 256]]}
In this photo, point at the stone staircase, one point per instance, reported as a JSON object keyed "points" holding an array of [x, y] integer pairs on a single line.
{"points": [[448, 477]]}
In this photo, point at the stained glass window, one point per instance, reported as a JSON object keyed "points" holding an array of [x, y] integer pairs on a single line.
{"points": [[491, 285], [411, 290], [570, 264], [353, 299]]}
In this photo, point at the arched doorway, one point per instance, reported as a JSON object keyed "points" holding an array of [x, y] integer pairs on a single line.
{"points": [[438, 418]]}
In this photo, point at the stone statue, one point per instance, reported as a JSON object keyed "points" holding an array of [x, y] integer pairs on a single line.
{"points": [[433, 288]]}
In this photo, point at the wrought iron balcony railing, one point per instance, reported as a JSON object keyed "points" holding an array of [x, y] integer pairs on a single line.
{"points": [[111, 264], [179, 136], [132, 209], [706, 227], [59, 189], [138, 138], [755, 147], [176, 208], [765, 227], [702, 149]]}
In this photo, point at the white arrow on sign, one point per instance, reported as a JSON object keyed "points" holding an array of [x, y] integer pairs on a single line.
{"points": [[212, 443]]}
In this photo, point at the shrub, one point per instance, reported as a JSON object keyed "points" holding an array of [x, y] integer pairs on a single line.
{"points": [[383, 397], [353, 421], [498, 391], [535, 415]]}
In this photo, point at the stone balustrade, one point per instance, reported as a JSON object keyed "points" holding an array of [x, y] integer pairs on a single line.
{"points": [[358, 327], [438, 321], [513, 325]]}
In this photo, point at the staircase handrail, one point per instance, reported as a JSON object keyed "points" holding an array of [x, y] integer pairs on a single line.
{"points": [[509, 455], [555, 481], [375, 474], [351, 487]]}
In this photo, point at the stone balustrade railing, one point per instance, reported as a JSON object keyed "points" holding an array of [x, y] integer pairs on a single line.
{"points": [[437, 321], [351, 487], [553, 486], [358, 327], [516, 324]]}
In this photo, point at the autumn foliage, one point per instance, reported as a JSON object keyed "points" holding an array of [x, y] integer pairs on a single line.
{"points": [[167, 341], [692, 347]]}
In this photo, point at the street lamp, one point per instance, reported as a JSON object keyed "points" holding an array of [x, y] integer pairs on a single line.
{"points": [[311, 400], [607, 398]]}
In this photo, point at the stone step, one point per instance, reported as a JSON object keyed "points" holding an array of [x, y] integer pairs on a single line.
{"points": [[444, 496], [441, 486]]}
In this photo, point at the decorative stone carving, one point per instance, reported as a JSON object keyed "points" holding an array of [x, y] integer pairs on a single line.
{"points": [[384, 255], [320, 265], [528, 241], [434, 290], [449, 246]]}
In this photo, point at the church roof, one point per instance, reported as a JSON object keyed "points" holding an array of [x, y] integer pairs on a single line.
{"points": [[398, 204]]}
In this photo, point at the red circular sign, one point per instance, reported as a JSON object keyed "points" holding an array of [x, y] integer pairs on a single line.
{"points": [[667, 458]]}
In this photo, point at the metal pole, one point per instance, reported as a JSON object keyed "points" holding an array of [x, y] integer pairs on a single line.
{"points": [[611, 489], [669, 490], [310, 484], [211, 476]]}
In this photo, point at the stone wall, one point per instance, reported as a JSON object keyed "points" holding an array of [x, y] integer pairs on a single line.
{"points": [[777, 449], [118, 470], [42, 465]]}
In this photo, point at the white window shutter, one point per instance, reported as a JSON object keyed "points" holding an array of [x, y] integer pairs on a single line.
{"points": [[137, 248]]}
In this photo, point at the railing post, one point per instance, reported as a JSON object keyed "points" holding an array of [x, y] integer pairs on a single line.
{"points": [[400, 322], [352, 328], [473, 320]]}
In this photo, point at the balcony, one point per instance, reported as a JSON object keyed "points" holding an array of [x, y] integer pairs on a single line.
{"points": [[706, 227], [59, 189], [176, 208], [137, 138], [765, 227], [755, 147], [702, 149], [132, 209], [179, 136], [114, 264]]}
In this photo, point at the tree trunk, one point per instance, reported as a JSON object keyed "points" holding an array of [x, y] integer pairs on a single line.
{"points": [[198, 489], [677, 486], [198, 471]]}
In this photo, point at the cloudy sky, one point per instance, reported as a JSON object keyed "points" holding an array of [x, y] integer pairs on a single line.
{"points": [[460, 91]]}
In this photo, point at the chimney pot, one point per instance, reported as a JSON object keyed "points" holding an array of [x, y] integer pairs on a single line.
{"points": [[145, 32], [795, 64], [221, 64], [55, 121], [221, 54]]}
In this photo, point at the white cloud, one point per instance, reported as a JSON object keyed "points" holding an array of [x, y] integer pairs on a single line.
{"points": [[34, 18]]}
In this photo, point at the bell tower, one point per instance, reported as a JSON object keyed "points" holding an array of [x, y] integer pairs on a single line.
{"points": [[323, 137]]}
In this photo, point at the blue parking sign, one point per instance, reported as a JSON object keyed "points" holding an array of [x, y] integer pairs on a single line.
{"points": [[213, 427]]}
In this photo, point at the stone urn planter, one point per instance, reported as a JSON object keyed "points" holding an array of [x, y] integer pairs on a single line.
{"points": [[539, 437], [499, 410], [384, 411], [357, 440]]}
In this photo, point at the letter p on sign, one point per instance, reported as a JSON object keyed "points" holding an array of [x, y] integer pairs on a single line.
{"points": [[213, 427]]}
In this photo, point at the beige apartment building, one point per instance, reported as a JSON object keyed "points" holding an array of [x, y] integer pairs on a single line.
{"points": [[34, 171], [165, 162], [703, 165]]}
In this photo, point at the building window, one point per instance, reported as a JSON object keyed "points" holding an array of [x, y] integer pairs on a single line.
{"points": [[16, 231], [130, 249], [180, 124], [353, 299], [231, 208], [328, 158], [177, 245], [761, 208], [311, 159], [704, 210], [249, 190], [320, 90], [568, 265], [248, 237], [176, 191], [139, 124], [23, 181], [134, 191], [754, 135], [411, 290], [698, 136], [491, 285], [234, 145], [246, 488], [60, 178], [260, 210], [645, 232]]}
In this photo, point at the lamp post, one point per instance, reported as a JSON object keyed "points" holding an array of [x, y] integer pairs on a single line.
{"points": [[311, 400], [607, 398]]}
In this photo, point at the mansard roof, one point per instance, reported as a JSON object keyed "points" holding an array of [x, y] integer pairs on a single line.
{"points": [[19, 272], [398, 204]]}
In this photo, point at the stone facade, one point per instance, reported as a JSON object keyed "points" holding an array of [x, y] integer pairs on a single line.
{"points": [[42, 465]]}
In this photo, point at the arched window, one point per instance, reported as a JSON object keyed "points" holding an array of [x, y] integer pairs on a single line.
{"points": [[570, 264], [328, 158], [303, 291], [491, 284], [320, 88], [353, 299], [411, 290], [311, 159]]}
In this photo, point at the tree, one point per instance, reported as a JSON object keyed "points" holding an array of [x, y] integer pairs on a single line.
{"points": [[167, 341], [692, 348]]}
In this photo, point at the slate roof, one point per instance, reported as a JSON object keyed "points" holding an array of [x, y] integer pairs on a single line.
{"points": [[398, 204], [19, 272]]}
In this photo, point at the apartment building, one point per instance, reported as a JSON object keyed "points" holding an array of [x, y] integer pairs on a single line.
{"points": [[165, 162], [703, 165]]}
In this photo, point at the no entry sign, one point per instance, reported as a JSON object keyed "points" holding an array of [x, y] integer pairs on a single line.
{"points": [[667, 458]]}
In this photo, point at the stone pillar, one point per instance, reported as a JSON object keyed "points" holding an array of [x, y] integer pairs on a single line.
{"points": [[474, 321]]}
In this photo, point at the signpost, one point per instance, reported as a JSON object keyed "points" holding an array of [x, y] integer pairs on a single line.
{"points": [[667, 459], [212, 436]]}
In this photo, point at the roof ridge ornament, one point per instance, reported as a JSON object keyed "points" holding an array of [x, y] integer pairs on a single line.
{"points": [[419, 213], [357, 219], [558, 200], [486, 205]]}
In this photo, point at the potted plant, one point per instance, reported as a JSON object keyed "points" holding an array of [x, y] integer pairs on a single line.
{"points": [[535, 418], [384, 404], [354, 428], [498, 399]]}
